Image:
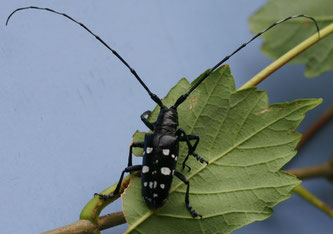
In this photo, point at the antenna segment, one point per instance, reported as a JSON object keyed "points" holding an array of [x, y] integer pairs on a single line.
{"points": [[182, 98], [152, 95]]}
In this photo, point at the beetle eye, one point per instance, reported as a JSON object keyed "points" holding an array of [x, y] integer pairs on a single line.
{"points": [[149, 150], [166, 152]]}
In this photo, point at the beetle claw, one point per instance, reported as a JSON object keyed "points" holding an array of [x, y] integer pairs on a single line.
{"points": [[104, 196], [194, 213], [200, 159]]}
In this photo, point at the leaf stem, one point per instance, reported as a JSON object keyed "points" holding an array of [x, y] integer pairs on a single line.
{"points": [[95, 206], [316, 126], [85, 226], [288, 56], [324, 170], [308, 196]]}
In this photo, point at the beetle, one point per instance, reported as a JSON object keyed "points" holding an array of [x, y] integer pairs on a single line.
{"points": [[161, 147]]}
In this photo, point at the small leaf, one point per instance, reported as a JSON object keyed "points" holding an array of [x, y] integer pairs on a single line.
{"points": [[246, 142], [318, 58], [138, 136]]}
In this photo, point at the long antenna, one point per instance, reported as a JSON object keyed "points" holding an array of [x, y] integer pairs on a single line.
{"points": [[152, 95], [182, 98]]}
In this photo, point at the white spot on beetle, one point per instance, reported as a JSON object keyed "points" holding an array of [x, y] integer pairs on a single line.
{"points": [[149, 150], [176, 158], [172, 155], [155, 195], [166, 152], [156, 161], [155, 184], [145, 184], [145, 169], [173, 172], [162, 186], [165, 171], [151, 184]]}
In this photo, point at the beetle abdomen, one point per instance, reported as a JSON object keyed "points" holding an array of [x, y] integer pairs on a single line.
{"points": [[158, 167]]}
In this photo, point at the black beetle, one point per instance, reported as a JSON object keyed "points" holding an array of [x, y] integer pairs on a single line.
{"points": [[161, 147]]}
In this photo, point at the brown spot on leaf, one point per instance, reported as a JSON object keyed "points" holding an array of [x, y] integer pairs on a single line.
{"points": [[282, 108], [263, 111], [306, 23], [192, 100]]}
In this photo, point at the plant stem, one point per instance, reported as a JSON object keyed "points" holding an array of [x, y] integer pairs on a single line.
{"points": [[316, 126], [308, 196], [324, 170], [111, 220], [288, 56], [94, 207], [85, 226]]}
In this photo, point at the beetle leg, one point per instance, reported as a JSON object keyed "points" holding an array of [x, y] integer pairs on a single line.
{"points": [[196, 137], [116, 191], [183, 137], [202, 160], [134, 144], [195, 154], [184, 163], [146, 122], [191, 149], [187, 199]]}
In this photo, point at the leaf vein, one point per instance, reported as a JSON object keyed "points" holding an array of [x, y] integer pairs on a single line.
{"points": [[235, 190], [251, 164], [266, 146], [214, 215], [242, 124]]}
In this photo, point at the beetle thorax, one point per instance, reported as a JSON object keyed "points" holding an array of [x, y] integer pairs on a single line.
{"points": [[167, 121]]}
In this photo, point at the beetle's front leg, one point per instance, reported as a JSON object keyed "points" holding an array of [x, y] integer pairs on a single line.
{"points": [[146, 122], [116, 191]]}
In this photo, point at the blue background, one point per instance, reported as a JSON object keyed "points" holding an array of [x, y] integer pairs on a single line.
{"points": [[69, 107]]}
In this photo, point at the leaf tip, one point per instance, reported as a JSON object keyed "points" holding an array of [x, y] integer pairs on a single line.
{"points": [[313, 102]]}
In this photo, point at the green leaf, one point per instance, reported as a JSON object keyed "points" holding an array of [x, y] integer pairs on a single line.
{"points": [[318, 58], [246, 142]]}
